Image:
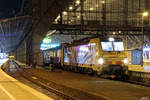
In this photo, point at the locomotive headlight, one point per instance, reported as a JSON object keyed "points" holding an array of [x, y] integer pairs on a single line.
{"points": [[100, 61], [125, 61]]}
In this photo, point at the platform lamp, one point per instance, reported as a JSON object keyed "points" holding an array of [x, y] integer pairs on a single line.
{"points": [[144, 14]]}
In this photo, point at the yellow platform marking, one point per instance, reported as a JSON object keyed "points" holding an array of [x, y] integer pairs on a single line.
{"points": [[136, 68], [10, 96], [34, 77], [139, 68], [29, 89]]}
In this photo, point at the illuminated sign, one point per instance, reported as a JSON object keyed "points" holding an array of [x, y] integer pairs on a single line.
{"points": [[45, 46], [47, 40]]}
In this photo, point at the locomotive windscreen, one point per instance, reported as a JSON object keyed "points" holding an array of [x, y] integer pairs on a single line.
{"points": [[118, 46], [112, 46], [107, 46]]}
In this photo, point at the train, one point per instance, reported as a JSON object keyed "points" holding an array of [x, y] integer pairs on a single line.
{"points": [[106, 57]]}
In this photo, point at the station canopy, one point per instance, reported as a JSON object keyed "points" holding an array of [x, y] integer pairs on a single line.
{"points": [[13, 31], [13, 24], [116, 18]]}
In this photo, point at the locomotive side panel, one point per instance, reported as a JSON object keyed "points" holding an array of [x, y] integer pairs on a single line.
{"points": [[85, 54]]}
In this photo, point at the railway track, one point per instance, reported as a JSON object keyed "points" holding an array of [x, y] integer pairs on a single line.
{"points": [[60, 90], [42, 84], [136, 79]]}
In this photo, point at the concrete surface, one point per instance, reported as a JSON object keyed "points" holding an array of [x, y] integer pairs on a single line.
{"points": [[11, 89], [112, 90]]}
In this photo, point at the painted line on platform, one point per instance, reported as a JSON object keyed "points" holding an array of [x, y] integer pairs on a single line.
{"points": [[34, 77], [29, 89], [10, 96]]}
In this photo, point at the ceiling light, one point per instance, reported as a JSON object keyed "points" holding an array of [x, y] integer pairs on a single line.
{"points": [[78, 17], [103, 1], [91, 9], [145, 14], [64, 13], [114, 33], [77, 2], [97, 6], [70, 8], [111, 39]]}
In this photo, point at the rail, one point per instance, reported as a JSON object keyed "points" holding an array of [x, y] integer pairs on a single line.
{"points": [[51, 86]]}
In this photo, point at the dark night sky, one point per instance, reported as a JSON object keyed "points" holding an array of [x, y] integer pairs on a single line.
{"points": [[7, 7]]}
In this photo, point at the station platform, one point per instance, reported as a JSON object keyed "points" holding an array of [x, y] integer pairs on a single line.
{"points": [[12, 89], [139, 68], [109, 89]]}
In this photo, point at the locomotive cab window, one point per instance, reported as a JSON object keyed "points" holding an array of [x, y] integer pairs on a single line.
{"points": [[116, 46]]}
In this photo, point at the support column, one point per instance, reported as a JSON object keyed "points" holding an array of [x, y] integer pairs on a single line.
{"points": [[44, 14], [20, 54]]}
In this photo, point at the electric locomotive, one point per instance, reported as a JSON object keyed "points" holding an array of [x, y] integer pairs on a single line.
{"points": [[101, 56]]}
